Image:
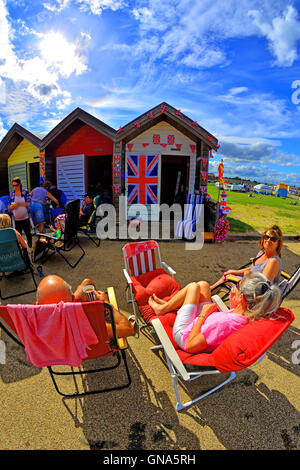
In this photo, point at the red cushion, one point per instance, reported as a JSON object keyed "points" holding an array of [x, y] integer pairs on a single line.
{"points": [[240, 349], [154, 282]]}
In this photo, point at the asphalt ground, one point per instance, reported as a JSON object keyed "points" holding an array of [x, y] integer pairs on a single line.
{"points": [[258, 410]]}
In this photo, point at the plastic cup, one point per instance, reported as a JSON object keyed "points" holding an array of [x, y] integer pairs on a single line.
{"points": [[89, 293]]}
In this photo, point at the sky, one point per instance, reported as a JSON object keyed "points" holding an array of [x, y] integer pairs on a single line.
{"points": [[231, 65]]}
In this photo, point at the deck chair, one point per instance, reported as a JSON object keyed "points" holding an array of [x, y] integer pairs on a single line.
{"points": [[146, 273], [239, 350], [189, 210], [13, 260], [48, 244], [97, 313], [90, 227], [190, 225]]}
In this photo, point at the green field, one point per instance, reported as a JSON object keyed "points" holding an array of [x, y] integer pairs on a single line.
{"points": [[255, 214]]}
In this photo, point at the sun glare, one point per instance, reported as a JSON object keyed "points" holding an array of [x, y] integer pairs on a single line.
{"points": [[56, 51]]}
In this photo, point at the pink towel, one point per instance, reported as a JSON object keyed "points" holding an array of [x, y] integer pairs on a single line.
{"points": [[53, 334]]}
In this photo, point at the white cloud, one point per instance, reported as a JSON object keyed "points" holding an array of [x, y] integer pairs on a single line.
{"points": [[93, 6], [283, 34]]}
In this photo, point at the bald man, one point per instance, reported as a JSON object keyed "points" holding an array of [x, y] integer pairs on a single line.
{"points": [[53, 289]]}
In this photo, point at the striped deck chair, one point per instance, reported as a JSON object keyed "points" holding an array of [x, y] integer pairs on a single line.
{"points": [[192, 213], [146, 273], [190, 225]]}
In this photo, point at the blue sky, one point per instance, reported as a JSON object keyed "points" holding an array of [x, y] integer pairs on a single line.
{"points": [[233, 66]]}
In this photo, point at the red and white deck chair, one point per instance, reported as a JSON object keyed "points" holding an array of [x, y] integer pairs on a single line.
{"points": [[146, 273], [239, 350]]}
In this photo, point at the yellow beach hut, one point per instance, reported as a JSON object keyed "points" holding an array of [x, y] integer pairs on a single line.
{"points": [[19, 156]]}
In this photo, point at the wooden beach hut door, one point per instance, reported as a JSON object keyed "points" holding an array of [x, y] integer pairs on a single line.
{"points": [[70, 176], [20, 170], [143, 186]]}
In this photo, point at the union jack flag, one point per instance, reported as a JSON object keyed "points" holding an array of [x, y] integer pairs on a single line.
{"points": [[156, 138], [171, 139], [142, 179]]}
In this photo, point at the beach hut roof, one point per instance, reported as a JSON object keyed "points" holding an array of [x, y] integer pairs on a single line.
{"points": [[73, 122], [166, 112], [14, 137]]}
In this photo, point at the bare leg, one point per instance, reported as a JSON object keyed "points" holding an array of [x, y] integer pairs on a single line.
{"points": [[219, 282], [177, 301]]}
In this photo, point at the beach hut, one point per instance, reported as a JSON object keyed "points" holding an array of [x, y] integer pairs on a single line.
{"points": [[19, 156], [165, 156], [281, 190], [78, 155]]}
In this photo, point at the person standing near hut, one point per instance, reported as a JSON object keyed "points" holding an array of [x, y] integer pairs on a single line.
{"points": [[19, 205], [38, 198]]}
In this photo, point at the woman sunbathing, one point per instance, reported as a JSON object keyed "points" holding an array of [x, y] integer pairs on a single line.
{"points": [[199, 327], [267, 261]]}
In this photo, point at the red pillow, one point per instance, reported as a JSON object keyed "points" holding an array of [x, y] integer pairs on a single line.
{"points": [[246, 345], [154, 282]]}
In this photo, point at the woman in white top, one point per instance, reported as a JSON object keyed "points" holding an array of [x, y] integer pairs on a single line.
{"points": [[19, 205]]}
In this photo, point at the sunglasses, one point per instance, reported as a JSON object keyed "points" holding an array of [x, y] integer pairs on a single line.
{"points": [[16, 184], [273, 239]]}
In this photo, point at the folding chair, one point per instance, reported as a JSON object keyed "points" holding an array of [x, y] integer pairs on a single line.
{"points": [[189, 209], [240, 350], [12, 261], [47, 243], [144, 278], [90, 227], [97, 313]]}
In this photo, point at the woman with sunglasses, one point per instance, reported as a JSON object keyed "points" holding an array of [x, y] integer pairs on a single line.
{"points": [[199, 327], [267, 261], [19, 205]]}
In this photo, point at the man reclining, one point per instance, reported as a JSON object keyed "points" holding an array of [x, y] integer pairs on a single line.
{"points": [[53, 289]]}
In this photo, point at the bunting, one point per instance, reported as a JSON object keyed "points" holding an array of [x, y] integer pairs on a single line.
{"points": [[162, 108], [150, 115], [137, 124], [156, 138], [129, 146], [193, 147], [171, 139], [117, 188]]}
